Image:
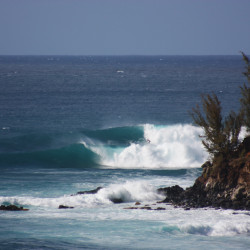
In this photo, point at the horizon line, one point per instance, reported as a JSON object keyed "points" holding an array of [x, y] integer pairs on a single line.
{"points": [[110, 55]]}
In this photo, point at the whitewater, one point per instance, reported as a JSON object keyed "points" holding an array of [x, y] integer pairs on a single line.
{"points": [[120, 123], [163, 147]]}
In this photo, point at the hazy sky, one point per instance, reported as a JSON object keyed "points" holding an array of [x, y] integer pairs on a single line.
{"points": [[124, 27]]}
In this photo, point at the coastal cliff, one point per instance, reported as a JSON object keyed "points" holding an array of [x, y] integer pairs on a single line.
{"points": [[222, 184]]}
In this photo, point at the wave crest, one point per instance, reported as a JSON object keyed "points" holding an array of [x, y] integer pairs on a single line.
{"points": [[164, 147]]}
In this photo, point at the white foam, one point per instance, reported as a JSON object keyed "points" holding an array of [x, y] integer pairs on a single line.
{"points": [[230, 228], [243, 133], [167, 147], [98, 207], [227, 226], [128, 192]]}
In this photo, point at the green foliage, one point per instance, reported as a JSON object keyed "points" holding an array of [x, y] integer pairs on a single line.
{"points": [[245, 91], [232, 128], [220, 137]]}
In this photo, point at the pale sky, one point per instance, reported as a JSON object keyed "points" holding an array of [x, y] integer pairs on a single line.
{"points": [[124, 27]]}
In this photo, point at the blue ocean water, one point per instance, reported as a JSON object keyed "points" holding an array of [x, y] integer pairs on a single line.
{"points": [[70, 124]]}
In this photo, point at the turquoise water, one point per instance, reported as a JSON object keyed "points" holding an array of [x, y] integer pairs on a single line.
{"points": [[71, 124]]}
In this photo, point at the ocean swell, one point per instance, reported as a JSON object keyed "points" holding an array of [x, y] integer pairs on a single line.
{"points": [[75, 155]]}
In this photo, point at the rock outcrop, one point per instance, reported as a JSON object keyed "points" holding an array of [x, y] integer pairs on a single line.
{"points": [[94, 191], [12, 208], [223, 184], [64, 207]]}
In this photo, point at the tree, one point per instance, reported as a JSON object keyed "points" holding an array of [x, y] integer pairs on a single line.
{"points": [[220, 137], [245, 91]]}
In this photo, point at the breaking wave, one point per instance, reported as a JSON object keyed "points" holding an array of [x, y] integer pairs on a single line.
{"points": [[135, 147], [164, 147]]}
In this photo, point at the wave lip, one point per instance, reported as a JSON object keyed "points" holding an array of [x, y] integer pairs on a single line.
{"points": [[117, 136]]}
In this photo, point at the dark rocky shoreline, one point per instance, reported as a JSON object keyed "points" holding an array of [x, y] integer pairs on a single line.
{"points": [[223, 184]]}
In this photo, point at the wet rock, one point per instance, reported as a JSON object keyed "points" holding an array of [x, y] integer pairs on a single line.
{"points": [[223, 184], [146, 208], [12, 208], [64, 207], [94, 191], [117, 200], [173, 194], [160, 208]]}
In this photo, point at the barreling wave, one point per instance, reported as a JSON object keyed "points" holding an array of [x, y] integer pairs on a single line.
{"points": [[136, 147]]}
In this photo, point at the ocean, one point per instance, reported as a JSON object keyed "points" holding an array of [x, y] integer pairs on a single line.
{"points": [[75, 123]]}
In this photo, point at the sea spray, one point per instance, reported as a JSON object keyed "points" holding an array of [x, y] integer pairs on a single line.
{"points": [[128, 191], [131, 191], [164, 147]]}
